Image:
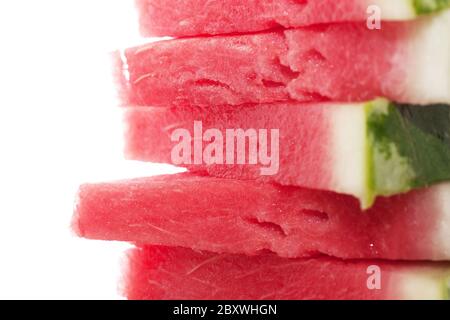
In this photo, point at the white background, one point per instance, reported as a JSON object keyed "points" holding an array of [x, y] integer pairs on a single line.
{"points": [[59, 127]]}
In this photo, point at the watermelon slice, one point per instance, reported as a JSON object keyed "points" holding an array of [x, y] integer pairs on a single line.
{"points": [[406, 62], [231, 216], [182, 18], [197, 17], [365, 150], [160, 273]]}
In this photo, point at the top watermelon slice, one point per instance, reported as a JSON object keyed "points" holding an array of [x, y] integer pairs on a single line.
{"points": [[197, 17], [406, 62]]}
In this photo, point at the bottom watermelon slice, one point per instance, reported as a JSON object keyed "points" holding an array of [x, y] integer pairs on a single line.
{"points": [[247, 217], [161, 273]]}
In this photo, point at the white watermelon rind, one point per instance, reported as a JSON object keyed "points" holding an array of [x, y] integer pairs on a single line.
{"points": [[381, 148], [422, 284], [427, 63], [397, 10]]}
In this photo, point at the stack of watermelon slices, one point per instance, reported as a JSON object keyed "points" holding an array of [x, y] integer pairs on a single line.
{"points": [[317, 143]]}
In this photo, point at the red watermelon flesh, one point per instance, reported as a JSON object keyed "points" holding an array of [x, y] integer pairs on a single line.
{"points": [[161, 273], [404, 62], [196, 17], [191, 18], [232, 216], [307, 142]]}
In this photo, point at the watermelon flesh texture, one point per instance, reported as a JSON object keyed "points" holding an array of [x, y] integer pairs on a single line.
{"points": [[198, 17], [405, 62], [305, 144], [161, 273], [231, 216]]}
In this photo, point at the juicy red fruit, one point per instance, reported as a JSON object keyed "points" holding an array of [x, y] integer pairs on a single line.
{"points": [[344, 62], [230, 216]]}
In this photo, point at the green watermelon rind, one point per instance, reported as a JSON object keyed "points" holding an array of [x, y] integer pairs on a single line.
{"points": [[407, 147], [369, 195], [423, 7], [382, 157]]}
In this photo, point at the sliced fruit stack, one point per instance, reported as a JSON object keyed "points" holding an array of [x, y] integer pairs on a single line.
{"points": [[343, 191]]}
